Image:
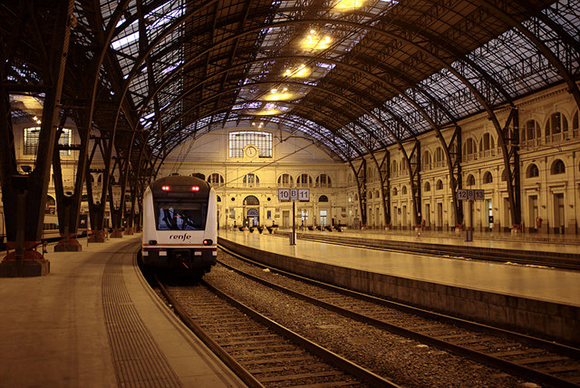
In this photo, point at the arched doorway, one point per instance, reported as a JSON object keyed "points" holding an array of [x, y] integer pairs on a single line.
{"points": [[252, 210]]}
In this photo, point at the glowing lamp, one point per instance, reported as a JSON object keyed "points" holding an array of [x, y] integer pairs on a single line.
{"points": [[166, 188]]}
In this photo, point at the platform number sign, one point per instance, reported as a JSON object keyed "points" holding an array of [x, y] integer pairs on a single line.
{"points": [[302, 195], [284, 195], [293, 194], [470, 195]]}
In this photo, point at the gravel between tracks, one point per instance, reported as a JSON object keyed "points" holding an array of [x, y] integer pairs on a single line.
{"points": [[404, 361]]}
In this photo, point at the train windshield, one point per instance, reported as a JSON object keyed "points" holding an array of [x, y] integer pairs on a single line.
{"points": [[181, 216]]}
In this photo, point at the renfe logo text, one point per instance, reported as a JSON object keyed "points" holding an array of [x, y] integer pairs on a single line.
{"points": [[181, 237]]}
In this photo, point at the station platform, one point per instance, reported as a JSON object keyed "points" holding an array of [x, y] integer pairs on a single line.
{"points": [[554, 243], [94, 322], [539, 300]]}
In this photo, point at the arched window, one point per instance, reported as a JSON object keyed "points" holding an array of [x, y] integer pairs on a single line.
{"points": [[394, 167], [304, 180], [323, 198], [504, 175], [426, 161], [533, 171], [558, 167], [556, 125], [427, 187], [531, 131], [395, 192], [323, 180], [470, 181], [487, 177], [487, 145], [371, 173], [404, 190], [215, 179], [370, 195], [439, 185], [470, 149], [251, 180], [251, 200], [439, 157], [575, 124], [219, 199], [285, 180]]}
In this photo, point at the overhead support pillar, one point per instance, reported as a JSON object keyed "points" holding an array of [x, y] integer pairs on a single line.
{"points": [[22, 259], [415, 181], [68, 241], [510, 147], [453, 155], [385, 172], [24, 196], [361, 177]]}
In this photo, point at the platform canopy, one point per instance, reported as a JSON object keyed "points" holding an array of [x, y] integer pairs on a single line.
{"points": [[353, 76]]}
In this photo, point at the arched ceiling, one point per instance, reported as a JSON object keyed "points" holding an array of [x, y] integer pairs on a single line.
{"points": [[354, 76]]}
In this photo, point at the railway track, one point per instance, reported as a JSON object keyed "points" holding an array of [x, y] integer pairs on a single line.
{"points": [[544, 362], [262, 352]]}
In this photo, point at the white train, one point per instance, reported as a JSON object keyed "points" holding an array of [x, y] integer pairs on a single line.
{"points": [[180, 225]]}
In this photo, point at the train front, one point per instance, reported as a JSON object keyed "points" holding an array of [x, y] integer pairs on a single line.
{"points": [[180, 225]]}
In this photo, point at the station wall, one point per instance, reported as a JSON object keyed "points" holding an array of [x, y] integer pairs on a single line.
{"points": [[549, 173], [248, 184]]}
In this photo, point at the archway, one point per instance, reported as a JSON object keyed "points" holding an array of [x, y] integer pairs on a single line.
{"points": [[252, 210]]}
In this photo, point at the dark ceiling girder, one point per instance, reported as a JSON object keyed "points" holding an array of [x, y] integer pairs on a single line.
{"points": [[546, 52], [330, 118], [103, 40], [177, 70], [483, 100], [350, 67]]}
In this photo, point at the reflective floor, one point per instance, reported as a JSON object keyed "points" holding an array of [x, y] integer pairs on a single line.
{"points": [[547, 284]]}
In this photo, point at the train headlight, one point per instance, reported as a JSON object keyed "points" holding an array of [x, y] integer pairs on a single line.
{"points": [[152, 242], [207, 241]]}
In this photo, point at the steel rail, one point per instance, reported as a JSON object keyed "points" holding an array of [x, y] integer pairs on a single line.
{"points": [[345, 365], [484, 358]]}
